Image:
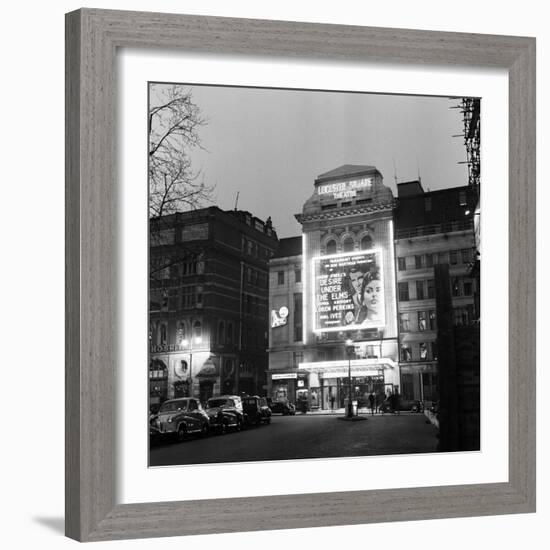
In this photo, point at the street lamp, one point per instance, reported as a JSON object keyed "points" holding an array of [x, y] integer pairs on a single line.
{"points": [[349, 350]]}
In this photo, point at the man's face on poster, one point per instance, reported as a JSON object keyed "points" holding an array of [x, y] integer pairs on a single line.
{"points": [[356, 278]]}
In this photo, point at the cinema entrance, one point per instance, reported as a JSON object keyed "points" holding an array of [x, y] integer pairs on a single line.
{"points": [[378, 377]]}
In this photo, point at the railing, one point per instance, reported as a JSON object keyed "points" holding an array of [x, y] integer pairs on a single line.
{"points": [[446, 227]]}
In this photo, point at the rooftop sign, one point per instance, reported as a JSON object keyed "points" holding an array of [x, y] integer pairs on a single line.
{"points": [[345, 189]]}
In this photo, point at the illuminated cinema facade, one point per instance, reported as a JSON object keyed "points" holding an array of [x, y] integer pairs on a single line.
{"points": [[347, 286]]}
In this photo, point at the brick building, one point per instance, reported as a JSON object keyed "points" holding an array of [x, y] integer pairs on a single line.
{"points": [[208, 303]]}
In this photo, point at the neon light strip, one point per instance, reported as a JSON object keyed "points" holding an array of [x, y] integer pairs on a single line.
{"points": [[394, 290], [344, 363], [304, 289]]}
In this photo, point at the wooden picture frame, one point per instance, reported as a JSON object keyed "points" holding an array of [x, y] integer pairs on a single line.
{"points": [[92, 39]]}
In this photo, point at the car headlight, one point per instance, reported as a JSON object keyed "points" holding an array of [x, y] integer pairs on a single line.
{"points": [[169, 420]]}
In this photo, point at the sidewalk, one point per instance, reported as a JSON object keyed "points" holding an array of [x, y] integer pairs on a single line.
{"points": [[342, 411]]}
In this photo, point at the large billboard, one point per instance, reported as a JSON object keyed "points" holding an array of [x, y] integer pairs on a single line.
{"points": [[348, 291]]}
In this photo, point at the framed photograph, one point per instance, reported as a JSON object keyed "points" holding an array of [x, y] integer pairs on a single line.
{"points": [[276, 250]]}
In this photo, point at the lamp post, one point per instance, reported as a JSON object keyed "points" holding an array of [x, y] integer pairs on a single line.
{"points": [[349, 350]]}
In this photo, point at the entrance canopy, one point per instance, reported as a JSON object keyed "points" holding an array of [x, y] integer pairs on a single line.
{"points": [[359, 367]]}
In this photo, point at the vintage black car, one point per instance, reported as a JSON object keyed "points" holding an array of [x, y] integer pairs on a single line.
{"points": [[412, 405], [225, 412], [256, 411], [282, 407], [179, 418]]}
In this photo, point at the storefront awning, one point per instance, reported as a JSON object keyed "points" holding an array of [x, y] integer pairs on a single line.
{"points": [[359, 367]]}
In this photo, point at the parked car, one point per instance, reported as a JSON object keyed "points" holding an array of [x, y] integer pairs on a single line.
{"points": [[225, 412], [180, 418], [256, 410], [282, 407], [413, 405]]}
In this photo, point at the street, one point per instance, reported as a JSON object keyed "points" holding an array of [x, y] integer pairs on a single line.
{"points": [[304, 436]]}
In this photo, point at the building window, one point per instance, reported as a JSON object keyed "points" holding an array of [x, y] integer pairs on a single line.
{"points": [[423, 347], [466, 254], [406, 354], [455, 287], [434, 350], [401, 264], [181, 334], [199, 296], [221, 333], [197, 332], [463, 316], [280, 277], [229, 333], [422, 321], [432, 318], [163, 332], [467, 287], [429, 260], [418, 262], [403, 289], [297, 275], [366, 242], [431, 288], [453, 257], [188, 297], [297, 358], [428, 204], [348, 244], [331, 247], [443, 257], [298, 317], [420, 290], [404, 324]]}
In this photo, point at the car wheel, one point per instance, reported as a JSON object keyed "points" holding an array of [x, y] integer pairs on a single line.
{"points": [[223, 428], [182, 433], [268, 420], [204, 430], [239, 425]]}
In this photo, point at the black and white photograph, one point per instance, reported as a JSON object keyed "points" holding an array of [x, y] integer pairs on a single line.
{"points": [[314, 274]]}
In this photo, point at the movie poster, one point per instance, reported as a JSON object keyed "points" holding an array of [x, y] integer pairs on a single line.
{"points": [[349, 291]]}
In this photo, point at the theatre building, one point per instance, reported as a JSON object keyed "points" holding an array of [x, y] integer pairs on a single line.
{"points": [[344, 278], [208, 303], [431, 228]]}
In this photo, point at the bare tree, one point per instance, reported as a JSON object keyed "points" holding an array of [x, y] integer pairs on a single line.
{"points": [[174, 123]]}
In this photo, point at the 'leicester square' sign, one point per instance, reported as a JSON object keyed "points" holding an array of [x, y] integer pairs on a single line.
{"points": [[345, 189]]}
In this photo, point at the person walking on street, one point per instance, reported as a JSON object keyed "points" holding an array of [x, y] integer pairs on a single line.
{"points": [[332, 403], [371, 403]]}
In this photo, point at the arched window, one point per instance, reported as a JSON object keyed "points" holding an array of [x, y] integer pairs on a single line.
{"points": [[348, 244], [197, 332], [229, 333], [163, 334], [221, 333], [366, 242], [182, 334], [331, 247]]}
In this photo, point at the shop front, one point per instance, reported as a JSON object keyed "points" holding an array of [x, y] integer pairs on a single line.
{"points": [[419, 381], [289, 386], [331, 382]]}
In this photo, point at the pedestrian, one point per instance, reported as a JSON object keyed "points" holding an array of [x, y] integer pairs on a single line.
{"points": [[379, 400], [371, 403], [332, 399], [396, 399]]}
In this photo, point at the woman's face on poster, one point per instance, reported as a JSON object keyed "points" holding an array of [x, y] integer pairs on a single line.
{"points": [[372, 295]]}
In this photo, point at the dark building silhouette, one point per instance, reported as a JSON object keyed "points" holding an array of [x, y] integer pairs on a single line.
{"points": [[208, 297]]}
